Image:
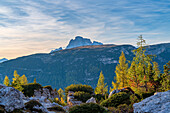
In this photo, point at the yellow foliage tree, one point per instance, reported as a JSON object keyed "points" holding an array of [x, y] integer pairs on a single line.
{"points": [[6, 81], [121, 71], [23, 80], [101, 88]]}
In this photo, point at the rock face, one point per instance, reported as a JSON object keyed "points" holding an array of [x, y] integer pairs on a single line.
{"points": [[127, 89], [71, 101], [10, 98], [58, 49], [91, 100], [80, 41], [45, 92], [158, 103]]}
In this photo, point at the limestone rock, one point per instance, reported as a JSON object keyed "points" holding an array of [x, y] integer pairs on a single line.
{"points": [[71, 101], [91, 100], [158, 103], [10, 98]]}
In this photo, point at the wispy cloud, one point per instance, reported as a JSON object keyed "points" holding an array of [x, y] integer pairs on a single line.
{"points": [[28, 27]]}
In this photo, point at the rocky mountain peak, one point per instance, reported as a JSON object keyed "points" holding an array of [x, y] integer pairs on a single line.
{"points": [[3, 60], [80, 41]]}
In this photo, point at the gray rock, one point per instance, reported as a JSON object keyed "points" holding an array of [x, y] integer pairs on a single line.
{"points": [[11, 98], [158, 103], [91, 100]]}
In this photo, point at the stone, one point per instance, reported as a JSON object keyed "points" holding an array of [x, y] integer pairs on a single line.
{"points": [[91, 100], [11, 98], [158, 103], [71, 101]]}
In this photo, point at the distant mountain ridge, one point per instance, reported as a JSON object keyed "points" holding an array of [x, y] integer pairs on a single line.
{"points": [[80, 65], [3, 60]]}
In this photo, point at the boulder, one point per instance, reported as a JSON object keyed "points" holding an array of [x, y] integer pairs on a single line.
{"points": [[11, 98], [158, 103], [91, 100], [71, 101]]}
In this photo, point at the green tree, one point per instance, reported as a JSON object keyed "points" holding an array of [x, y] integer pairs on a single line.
{"points": [[6, 81], [23, 80], [121, 71], [165, 82], [101, 88], [140, 73]]}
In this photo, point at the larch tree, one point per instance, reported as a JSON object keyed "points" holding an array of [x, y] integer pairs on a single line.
{"points": [[102, 87], [16, 83], [61, 93], [140, 71], [35, 81], [121, 71], [6, 81], [23, 80]]}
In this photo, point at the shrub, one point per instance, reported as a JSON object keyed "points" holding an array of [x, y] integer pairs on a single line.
{"points": [[28, 89], [30, 105], [87, 108], [116, 99], [82, 96], [99, 97], [56, 108], [79, 87], [123, 108], [112, 110], [48, 87], [145, 95]]}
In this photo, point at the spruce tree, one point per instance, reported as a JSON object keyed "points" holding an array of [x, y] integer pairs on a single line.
{"points": [[6, 81], [121, 71], [101, 88]]}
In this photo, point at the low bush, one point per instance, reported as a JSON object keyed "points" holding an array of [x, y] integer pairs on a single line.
{"points": [[87, 108], [123, 108], [56, 108], [48, 87], [82, 96], [30, 105], [117, 99], [79, 87], [28, 89], [99, 98], [145, 95]]}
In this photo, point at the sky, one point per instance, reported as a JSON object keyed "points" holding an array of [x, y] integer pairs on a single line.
{"points": [[38, 26]]}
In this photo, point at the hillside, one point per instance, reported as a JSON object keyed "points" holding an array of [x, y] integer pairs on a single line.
{"points": [[77, 65]]}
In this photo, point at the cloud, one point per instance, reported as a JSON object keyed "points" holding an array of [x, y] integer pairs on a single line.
{"points": [[38, 26]]}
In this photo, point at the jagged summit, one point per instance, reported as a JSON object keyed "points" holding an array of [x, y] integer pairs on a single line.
{"points": [[80, 41]]}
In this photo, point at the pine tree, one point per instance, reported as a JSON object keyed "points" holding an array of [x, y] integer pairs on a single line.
{"points": [[23, 80], [121, 71], [101, 88], [6, 81], [165, 82]]}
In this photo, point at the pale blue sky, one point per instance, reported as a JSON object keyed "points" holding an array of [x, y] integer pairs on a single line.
{"points": [[35, 26]]}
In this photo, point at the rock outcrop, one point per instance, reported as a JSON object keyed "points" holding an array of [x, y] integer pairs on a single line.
{"points": [[80, 41], [91, 100], [71, 101], [10, 98], [127, 89], [158, 103]]}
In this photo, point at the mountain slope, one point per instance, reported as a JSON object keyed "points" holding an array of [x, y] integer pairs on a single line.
{"points": [[76, 65]]}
